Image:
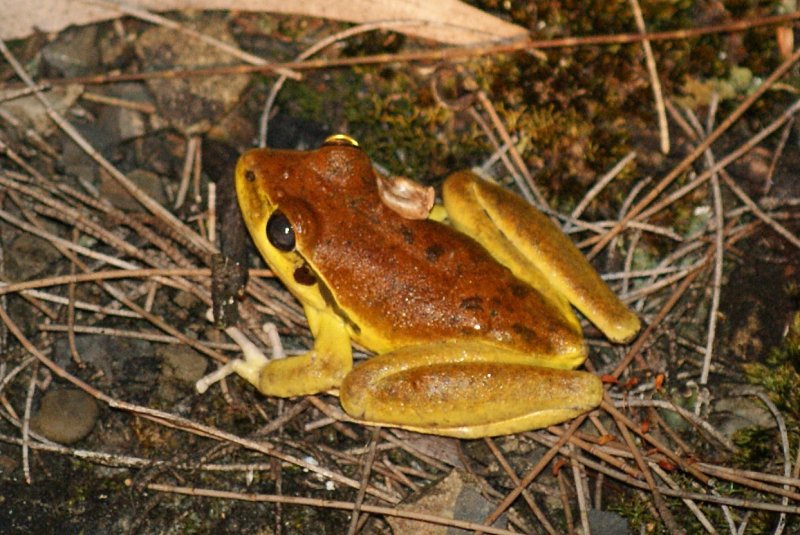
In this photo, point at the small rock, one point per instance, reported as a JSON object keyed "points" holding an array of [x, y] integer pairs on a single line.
{"points": [[191, 105], [122, 124], [127, 361], [187, 300], [607, 523], [28, 256], [738, 412], [65, 415], [444, 449], [73, 53], [29, 111], [148, 182], [182, 366], [7, 465], [182, 363], [456, 496]]}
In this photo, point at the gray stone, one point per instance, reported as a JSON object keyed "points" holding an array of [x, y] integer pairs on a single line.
{"points": [[65, 415], [148, 182], [607, 523], [29, 256], [74, 52], [192, 105]]}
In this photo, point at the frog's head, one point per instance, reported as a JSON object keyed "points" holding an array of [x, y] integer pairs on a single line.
{"points": [[291, 200]]}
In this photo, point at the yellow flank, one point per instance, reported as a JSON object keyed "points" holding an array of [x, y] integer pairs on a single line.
{"points": [[468, 311]]}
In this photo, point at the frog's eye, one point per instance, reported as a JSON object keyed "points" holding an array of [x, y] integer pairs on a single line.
{"points": [[341, 140], [280, 232]]}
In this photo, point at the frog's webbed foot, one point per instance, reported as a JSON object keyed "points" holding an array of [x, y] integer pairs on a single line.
{"points": [[466, 390], [535, 250]]}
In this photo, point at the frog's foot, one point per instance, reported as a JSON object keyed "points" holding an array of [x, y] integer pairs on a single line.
{"points": [[466, 391], [535, 250], [249, 367]]}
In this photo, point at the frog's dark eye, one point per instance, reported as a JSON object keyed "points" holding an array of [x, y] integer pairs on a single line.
{"points": [[342, 140], [280, 232]]}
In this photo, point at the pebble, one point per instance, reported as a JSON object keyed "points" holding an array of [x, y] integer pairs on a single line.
{"points": [[182, 363], [148, 182], [191, 105], [182, 366], [73, 53], [65, 415], [607, 523], [458, 496], [736, 413], [28, 256]]}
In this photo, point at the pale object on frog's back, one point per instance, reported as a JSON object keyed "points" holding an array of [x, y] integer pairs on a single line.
{"points": [[406, 197]]}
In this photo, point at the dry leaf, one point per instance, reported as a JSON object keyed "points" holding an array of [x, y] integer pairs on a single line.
{"points": [[447, 21]]}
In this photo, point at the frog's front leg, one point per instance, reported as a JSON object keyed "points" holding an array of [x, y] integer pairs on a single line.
{"points": [[466, 390], [321, 368]]}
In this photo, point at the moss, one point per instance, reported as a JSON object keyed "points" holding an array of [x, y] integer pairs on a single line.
{"points": [[573, 109], [780, 373], [759, 448], [396, 118], [638, 513], [779, 376]]}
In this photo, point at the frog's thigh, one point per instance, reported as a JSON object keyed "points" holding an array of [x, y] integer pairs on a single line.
{"points": [[320, 369], [465, 390]]}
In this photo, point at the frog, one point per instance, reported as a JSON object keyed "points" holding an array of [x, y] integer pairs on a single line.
{"points": [[467, 314]]}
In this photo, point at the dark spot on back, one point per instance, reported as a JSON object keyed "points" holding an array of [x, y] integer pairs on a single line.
{"points": [[408, 235], [520, 290], [526, 333], [433, 252], [250, 175], [472, 303]]}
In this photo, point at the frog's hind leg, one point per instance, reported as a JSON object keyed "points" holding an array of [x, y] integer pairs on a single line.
{"points": [[466, 390], [535, 250]]}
